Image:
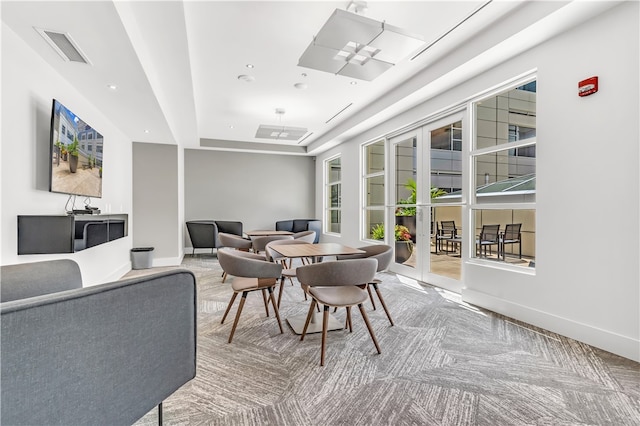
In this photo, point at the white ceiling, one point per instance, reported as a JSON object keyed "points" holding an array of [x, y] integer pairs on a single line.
{"points": [[176, 63]]}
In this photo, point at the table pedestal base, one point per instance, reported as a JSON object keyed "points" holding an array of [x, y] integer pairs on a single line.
{"points": [[315, 326]]}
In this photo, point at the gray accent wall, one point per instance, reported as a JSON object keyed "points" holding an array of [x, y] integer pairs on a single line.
{"points": [[256, 189], [155, 201]]}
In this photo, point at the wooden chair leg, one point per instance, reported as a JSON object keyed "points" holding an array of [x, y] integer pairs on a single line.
{"points": [[235, 322], [224, 276], [384, 305], [233, 298], [308, 320], [325, 325], [349, 323], [264, 299], [366, 321], [371, 297], [280, 291], [275, 308]]}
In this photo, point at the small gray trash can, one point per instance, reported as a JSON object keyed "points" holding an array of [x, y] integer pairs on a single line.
{"points": [[141, 257]]}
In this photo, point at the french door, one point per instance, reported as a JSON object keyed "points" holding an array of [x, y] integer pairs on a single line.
{"points": [[426, 213]]}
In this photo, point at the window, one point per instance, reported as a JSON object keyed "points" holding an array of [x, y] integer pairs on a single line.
{"points": [[333, 195], [504, 170], [446, 157], [373, 187], [90, 136]]}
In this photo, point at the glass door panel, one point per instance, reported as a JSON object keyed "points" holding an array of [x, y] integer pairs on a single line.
{"points": [[404, 234], [443, 195]]}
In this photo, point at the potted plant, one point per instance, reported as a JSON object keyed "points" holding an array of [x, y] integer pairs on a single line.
{"points": [[92, 161], [402, 237], [100, 171], [73, 155], [406, 216]]}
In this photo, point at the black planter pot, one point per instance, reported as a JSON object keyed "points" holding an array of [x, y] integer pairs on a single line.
{"points": [[403, 251], [73, 163]]}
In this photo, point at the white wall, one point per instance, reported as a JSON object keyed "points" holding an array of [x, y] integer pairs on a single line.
{"points": [[155, 201], [586, 282], [28, 86], [255, 189]]}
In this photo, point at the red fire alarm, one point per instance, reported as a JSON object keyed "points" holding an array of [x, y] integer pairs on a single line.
{"points": [[588, 86]]}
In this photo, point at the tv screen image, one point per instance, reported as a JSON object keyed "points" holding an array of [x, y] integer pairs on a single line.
{"points": [[76, 154]]}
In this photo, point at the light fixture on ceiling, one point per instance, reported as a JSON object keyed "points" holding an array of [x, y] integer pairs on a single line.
{"points": [[249, 66], [112, 87], [246, 78], [358, 7], [280, 132], [358, 47]]}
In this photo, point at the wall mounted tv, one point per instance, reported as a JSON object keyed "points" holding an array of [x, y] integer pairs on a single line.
{"points": [[76, 155]]}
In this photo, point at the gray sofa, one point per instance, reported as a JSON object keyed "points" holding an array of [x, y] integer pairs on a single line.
{"points": [[105, 354], [300, 225]]}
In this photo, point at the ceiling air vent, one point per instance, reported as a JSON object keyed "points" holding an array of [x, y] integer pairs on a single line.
{"points": [[64, 45]]}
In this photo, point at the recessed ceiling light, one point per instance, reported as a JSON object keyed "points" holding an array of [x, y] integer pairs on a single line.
{"points": [[249, 65], [112, 86], [304, 74], [231, 126], [301, 86], [353, 83], [147, 130], [246, 78]]}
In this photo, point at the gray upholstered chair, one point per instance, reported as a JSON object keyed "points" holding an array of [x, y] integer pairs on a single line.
{"points": [[288, 272], [337, 284], [233, 241], [384, 255], [308, 237], [251, 273], [259, 243]]}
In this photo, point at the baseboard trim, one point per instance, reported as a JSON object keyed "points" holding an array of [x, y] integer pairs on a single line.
{"points": [[620, 345], [167, 261]]}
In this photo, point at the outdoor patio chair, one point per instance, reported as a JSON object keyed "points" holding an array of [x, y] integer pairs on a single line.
{"points": [[512, 236], [447, 231], [489, 236]]}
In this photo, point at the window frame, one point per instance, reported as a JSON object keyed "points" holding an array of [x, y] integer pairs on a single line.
{"points": [[365, 208], [328, 186], [505, 147]]}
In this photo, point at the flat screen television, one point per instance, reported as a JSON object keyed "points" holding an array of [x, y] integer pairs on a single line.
{"points": [[76, 155]]}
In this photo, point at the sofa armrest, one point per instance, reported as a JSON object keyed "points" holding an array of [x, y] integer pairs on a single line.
{"points": [[26, 280], [315, 225], [106, 354]]}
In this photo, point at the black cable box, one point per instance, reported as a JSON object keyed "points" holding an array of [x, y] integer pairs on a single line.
{"points": [[86, 211]]}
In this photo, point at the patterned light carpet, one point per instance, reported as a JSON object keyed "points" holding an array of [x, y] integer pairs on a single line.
{"points": [[443, 363]]}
